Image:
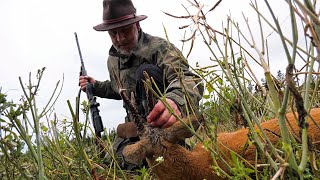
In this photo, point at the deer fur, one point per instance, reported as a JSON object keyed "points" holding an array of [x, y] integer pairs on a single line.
{"points": [[180, 163]]}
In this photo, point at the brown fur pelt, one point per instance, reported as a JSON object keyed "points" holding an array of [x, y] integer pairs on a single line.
{"points": [[180, 163]]}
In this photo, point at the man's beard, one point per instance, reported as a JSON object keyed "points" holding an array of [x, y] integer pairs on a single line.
{"points": [[124, 52], [121, 51]]}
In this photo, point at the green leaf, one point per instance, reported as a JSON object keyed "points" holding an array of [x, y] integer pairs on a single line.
{"points": [[206, 96], [2, 120], [44, 128], [239, 60], [234, 157], [206, 104], [209, 88]]}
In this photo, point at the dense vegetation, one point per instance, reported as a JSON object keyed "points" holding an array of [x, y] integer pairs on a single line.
{"points": [[35, 144]]}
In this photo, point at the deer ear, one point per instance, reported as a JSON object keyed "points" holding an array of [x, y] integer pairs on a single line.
{"points": [[179, 132], [127, 130], [136, 153]]}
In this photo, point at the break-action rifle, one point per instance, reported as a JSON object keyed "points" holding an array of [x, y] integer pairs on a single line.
{"points": [[96, 118]]}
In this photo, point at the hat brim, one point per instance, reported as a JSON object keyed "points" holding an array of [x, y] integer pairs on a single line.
{"points": [[107, 27]]}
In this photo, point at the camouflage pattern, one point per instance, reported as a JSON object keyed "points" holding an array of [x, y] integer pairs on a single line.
{"points": [[153, 50]]}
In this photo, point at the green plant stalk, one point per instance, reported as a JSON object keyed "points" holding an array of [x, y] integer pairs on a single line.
{"points": [[38, 141], [275, 100], [53, 157], [308, 81], [282, 122], [294, 33], [241, 47], [7, 173], [187, 99], [202, 76], [275, 104], [285, 38], [284, 131], [308, 11], [46, 109], [251, 127], [13, 161], [17, 124], [36, 124], [187, 95], [238, 155], [256, 165], [112, 155], [225, 59], [162, 98], [33, 107], [305, 149], [308, 85], [264, 64], [56, 145], [222, 54], [261, 30], [66, 141], [214, 154], [81, 149], [86, 123], [273, 164], [244, 102], [314, 90], [263, 89], [27, 121], [191, 128], [314, 25], [247, 114], [304, 132], [86, 170]]}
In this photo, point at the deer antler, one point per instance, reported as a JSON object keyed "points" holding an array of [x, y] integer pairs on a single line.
{"points": [[149, 96], [131, 104]]}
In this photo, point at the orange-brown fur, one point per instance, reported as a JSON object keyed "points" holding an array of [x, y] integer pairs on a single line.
{"points": [[180, 163], [237, 140]]}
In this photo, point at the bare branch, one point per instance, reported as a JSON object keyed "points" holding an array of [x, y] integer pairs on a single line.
{"points": [[217, 4]]}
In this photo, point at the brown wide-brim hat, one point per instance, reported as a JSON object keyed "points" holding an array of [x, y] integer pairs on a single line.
{"points": [[118, 13]]}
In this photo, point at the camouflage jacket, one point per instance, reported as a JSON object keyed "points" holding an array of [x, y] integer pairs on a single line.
{"points": [[153, 50]]}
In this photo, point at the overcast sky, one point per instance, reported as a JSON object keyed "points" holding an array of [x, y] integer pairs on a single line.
{"points": [[39, 33]]}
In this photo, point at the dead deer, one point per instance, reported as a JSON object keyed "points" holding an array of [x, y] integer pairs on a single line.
{"points": [[180, 163]]}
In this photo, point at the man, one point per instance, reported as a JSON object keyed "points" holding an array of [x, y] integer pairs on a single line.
{"points": [[134, 52]]}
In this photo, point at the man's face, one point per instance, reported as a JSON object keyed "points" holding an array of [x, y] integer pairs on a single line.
{"points": [[125, 38]]}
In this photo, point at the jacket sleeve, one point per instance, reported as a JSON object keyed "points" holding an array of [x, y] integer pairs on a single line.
{"points": [[184, 87], [104, 89]]}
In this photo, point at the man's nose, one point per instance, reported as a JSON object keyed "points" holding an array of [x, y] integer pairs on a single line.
{"points": [[120, 37]]}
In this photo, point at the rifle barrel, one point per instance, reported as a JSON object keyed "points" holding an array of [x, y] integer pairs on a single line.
{"points": [[83, 70]]}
